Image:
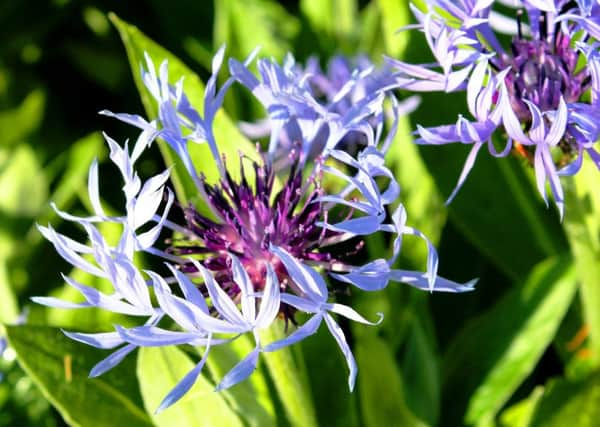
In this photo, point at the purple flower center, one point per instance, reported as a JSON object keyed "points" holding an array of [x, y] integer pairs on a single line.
{"points": [[251, 218], [543, 69]]}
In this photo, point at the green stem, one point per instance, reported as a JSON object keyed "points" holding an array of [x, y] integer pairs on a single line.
{"points": [[289, 377], [582, 226]]}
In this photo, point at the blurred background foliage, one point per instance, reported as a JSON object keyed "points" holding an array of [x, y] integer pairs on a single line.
{"points": [[512, 353]]}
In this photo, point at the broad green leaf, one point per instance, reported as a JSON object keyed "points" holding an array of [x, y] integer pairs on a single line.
{"points": [[566, 403], [19, 123], [229, 140], [159, 369], [289, 377], [582, 225], [521, 413], [500, 348], [250, 397], [333, 21], [60, 367], [394, 15], [23, 183], [379, 386]]}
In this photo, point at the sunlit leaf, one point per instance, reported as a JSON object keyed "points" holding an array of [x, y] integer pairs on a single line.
{"points": [[566, 403], [19, 123], [24, 186], [582, 225], [159, 370], [250, 397], [500, 348], [60, 367]]}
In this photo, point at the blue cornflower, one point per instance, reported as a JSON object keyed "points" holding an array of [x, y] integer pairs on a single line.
{"points": [[342, 89], [542, 94], [267, 249]]}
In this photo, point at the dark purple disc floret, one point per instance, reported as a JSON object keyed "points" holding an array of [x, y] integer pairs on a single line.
{"points": [[251, 219]]}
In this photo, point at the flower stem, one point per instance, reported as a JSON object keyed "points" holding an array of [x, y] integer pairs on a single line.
{"points": [[291, 382], [582, 226]]}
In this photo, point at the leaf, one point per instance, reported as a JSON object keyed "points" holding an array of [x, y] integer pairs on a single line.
{"points": [[333, 21], [160, 369], [566, 403], [229, 140], [394, 15], [328, 376], [9, 309], [290, 380], [19, 123], [72, 179], [251, 396], [582, 225], [23, 183], [380, 388], [521, 413], [501, 347], [272, 26], [60, 367], [420, 364]]}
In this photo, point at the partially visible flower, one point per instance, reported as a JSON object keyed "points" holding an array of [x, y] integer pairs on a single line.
{"points": [[542, 95], [333, 95], [271, 241]]}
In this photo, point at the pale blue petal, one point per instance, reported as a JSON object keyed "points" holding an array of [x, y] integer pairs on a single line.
{"points": [[240, 372], [111, 361], [338, 334]]}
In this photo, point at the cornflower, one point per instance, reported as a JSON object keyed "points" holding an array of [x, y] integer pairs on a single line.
{"points": [[344, 83], [267, 249], [541, 95]]}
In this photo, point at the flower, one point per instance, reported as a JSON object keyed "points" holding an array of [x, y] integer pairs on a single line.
{"points": [[336, 93], [542, 94], [268, 246]]}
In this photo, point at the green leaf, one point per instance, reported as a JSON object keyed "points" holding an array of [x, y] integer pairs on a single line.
{"points": [[380, 387], [420, 364], [566, 403], [582, 225], [72, 179], [9, 309], [394, 15], [328, 376], [272, 26], [521, 413], [501, 347], [23, 183], [289, 376], [229, 140], [333, 21], [19, 123], [250, 397], [60, 367], [160, 369]]}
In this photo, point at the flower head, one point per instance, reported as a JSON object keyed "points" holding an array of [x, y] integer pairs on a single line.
{"points": [[541, 92], [270, 243]]}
